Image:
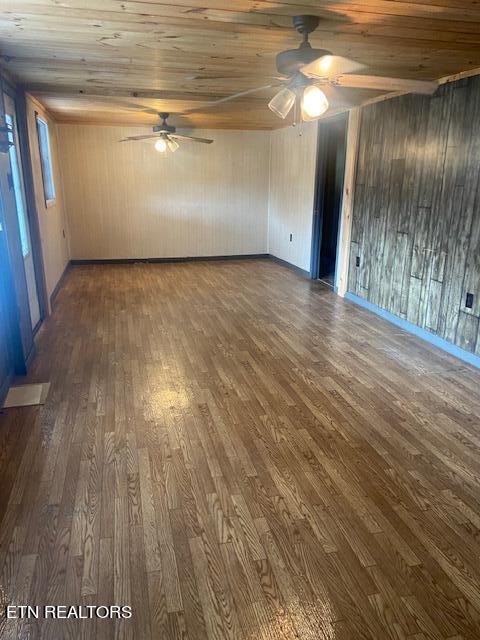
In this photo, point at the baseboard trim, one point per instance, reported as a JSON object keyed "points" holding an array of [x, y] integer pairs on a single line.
{"points": [[452, 349], [289, 265], [242, 256], [4, 390], [31, 356], [59, 285]]}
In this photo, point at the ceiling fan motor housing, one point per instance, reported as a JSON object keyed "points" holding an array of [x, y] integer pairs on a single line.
{"points": [[164, 127], [305, 24], [290, 61]]}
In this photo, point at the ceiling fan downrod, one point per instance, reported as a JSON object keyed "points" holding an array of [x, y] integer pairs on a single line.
{"points": [[305, 25]]}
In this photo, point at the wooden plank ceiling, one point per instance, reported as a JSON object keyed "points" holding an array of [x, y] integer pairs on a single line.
{"points": [[84, 59]]}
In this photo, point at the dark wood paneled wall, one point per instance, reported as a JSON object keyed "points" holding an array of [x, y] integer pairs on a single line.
{"points": [[416, 219]]}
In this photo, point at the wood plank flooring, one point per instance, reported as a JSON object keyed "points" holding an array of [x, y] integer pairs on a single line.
{"points": [[238, 453]]}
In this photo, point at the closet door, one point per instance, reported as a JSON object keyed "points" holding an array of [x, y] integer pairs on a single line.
{"points": [[18, 189], [9, 334]]}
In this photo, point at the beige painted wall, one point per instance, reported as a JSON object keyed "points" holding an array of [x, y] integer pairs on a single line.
{"points": [[292, 186], [52, 223], [124, 200]]}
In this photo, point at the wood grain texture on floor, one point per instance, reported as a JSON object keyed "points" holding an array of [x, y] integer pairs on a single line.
{"points": [[238, 453]]}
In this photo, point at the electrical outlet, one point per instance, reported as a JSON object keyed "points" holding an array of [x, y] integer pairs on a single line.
{"points": [[291, 237], [357, 261], [469, 301]]}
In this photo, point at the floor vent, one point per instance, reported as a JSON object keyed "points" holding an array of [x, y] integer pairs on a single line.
{"points": [[27, 395]]}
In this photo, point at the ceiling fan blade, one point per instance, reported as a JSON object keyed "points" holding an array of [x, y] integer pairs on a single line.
{"points": [[133, 106], [336, 96], [154, 135], [240, 94], [176, 136], [172, 144], [331, 66], [242, 76], [381, 83]]}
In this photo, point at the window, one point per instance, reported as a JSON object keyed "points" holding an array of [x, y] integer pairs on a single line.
{"points": [[46, 160], [17, 187]]}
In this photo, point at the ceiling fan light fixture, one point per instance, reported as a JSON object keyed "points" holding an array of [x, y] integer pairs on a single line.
{"points": [[172, 145], [314, 103], [282, 102], [161, 145]]}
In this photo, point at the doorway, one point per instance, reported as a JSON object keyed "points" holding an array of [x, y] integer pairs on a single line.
{"points": [[17, 186], [331, 150]]}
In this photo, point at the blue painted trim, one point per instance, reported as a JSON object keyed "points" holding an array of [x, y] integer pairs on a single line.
{"points": [[59, 285], [4, 387], [450, 348]]}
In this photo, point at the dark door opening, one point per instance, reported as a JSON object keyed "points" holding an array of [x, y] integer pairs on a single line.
{"points": [[332, 133]]}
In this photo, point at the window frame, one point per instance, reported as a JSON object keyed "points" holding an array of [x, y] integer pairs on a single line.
{"points": [[17, 184], [49, 187]]}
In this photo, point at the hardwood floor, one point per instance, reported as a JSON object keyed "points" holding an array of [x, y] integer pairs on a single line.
{"points": [[238, 453]]}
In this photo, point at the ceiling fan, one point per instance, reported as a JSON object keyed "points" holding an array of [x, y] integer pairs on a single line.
{"points": [[312, 79], [166, 136]]}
